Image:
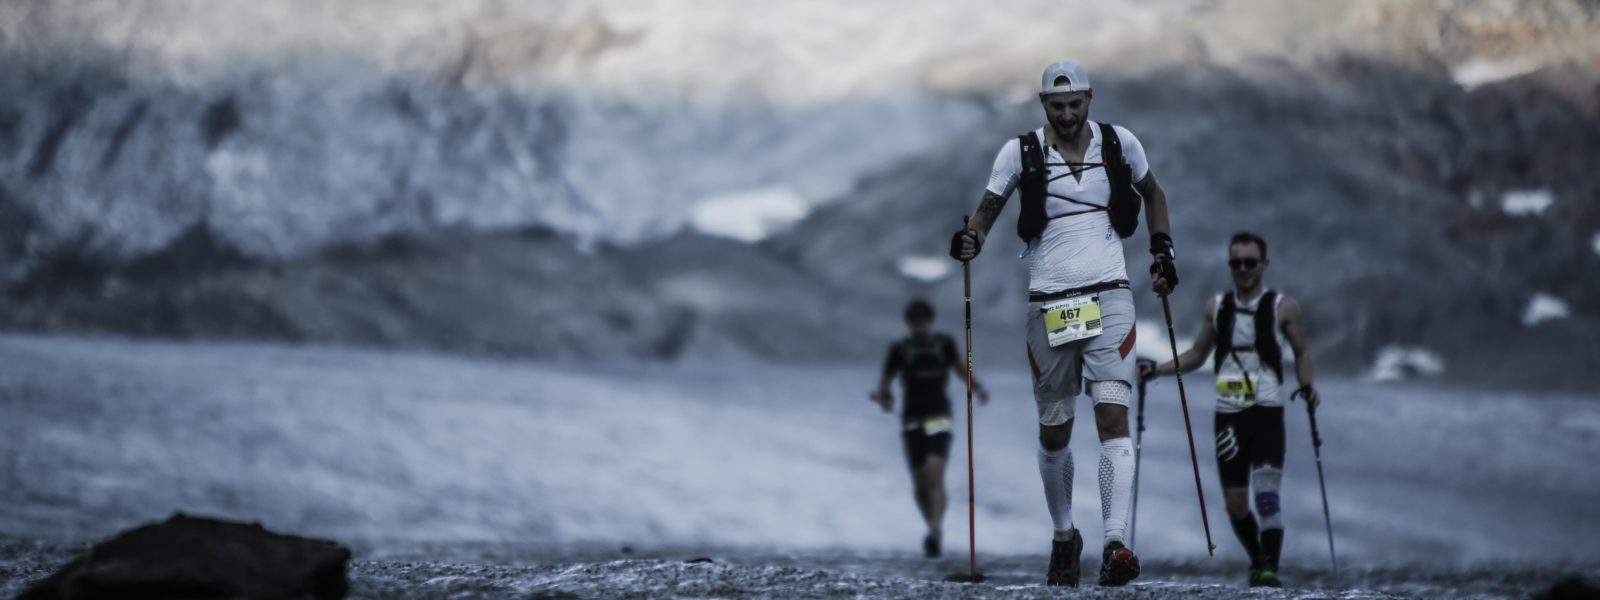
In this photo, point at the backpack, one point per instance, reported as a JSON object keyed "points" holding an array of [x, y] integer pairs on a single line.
{"points": [[1266, 343], [1125, 200]]}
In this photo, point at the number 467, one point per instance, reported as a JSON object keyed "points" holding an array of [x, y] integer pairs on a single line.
{"points": [[1070, 313]]}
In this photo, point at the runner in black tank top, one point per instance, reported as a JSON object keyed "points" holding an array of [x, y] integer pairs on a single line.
{"points": [[923, 361]]}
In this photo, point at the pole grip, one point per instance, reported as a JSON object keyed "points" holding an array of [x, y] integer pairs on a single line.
{"points": [[1316, 437]]}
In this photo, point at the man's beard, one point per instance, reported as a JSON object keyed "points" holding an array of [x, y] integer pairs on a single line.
{"points": [[1068, 132]]}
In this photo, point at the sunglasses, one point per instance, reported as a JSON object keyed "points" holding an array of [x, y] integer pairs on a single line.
{"points": [[1243, 263]]}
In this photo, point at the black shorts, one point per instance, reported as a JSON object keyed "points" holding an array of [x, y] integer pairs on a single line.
{"points": [[1248, 439], [920, 446]]}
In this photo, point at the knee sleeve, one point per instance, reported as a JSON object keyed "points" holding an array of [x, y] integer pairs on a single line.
{"points": [[1114, 392], [1265, 482], [1055, 412]]}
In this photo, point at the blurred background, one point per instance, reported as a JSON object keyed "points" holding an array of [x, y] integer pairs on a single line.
{"points": [[225, 225], [514, 178]]}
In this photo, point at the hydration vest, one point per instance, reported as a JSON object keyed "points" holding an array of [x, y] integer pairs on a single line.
{"points": [[925, 362], [1266, 321], [1034, 183]]}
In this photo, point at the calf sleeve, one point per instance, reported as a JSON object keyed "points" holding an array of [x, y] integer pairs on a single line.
{"points": [[1055, 469], [1116, 486]]}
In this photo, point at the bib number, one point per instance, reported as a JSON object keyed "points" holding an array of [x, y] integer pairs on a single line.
{"points": [[1072, 319], [931, 425], [1236, 391]]}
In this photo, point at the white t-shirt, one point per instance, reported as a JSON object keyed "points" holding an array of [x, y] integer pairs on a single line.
{"points": [[1078, 250]]}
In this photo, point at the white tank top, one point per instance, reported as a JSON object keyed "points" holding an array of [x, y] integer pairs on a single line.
{"points": [[1244, 364]]}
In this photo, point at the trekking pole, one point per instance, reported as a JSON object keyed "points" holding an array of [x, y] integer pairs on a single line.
{"points": [[1194, 459], [1316, 448], [1138, 443], [972, 506]]}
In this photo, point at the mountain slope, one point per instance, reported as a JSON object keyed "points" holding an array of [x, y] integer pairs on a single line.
{"points": [[1421, 169], [1366, 180]]}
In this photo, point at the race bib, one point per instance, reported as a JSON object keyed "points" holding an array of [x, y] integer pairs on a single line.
{"points": [[930, 425], [1236, 390], [1072, 319]]}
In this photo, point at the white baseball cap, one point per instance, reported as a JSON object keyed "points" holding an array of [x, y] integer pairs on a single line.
{"points": [[1064, 76]]}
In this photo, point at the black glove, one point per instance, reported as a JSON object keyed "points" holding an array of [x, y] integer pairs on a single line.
{"points": [[1164, 268], [1147, 370], [1164, 265], [956, 244]]}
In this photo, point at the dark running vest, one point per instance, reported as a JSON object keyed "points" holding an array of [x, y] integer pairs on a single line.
{"points": [[1266, 318], [1035, 181], [924, 370]]}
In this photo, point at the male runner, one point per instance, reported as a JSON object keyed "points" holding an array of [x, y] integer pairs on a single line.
{"points": [[924, 361], [1253, 322], [1080, 307]]}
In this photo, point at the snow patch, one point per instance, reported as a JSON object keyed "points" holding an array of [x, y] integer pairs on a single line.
{"points": [[1151, 342], [1481, 71], [1526, 203], [1400, 362], [366, 447], [924, 268], [1544, 307], [751, 215], [1021, 93], [1595, 241]]}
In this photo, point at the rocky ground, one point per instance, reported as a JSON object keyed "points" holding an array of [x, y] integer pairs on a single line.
{"points": [[476, 571]]}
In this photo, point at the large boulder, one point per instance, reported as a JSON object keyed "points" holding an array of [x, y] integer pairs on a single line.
{"points": [[191, 557], [1572, 588]]}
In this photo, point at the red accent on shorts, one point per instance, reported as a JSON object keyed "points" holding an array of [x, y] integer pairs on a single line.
{"points": [[1032, 363], [1127, 342]]}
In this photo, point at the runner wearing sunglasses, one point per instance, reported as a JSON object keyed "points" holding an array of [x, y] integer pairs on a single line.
{"points": [[1256, 323]]}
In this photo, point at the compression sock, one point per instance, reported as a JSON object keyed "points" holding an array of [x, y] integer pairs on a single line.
{"points": [[1271, 547], [1116, 486], [1055, 468], [1249, 536], [1266, 481]]}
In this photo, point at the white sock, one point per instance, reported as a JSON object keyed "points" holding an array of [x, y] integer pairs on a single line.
{"points": [[1055, 468], [1116, 486]]}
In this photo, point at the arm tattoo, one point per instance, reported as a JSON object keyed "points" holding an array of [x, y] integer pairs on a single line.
{"points": [[991, 205]]}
